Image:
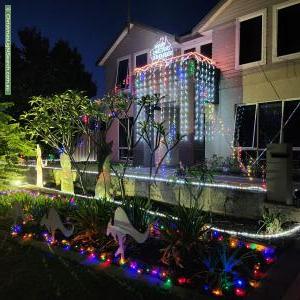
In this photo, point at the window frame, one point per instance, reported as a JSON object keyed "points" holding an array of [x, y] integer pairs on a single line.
{"points": [[123, 148], [196, 45], [146, 51], [129, 71], [275, 10], [263, 61], [207, 44], [256, 122]]}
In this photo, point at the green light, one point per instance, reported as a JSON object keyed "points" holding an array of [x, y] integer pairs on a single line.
{"points": [[168, 284]]}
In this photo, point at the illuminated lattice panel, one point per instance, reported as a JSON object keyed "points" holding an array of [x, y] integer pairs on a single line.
{"points": [[172, 78]]}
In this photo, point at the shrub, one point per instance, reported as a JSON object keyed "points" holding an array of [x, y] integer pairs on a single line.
{"points": [[91, 218], [136, 210], [182, 235], [271, 221]]}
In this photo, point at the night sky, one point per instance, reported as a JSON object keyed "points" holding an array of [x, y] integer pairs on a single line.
{"points": [[91, 25]]}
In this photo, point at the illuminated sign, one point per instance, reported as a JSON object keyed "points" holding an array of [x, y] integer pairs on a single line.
{"points": [[162, 49]]}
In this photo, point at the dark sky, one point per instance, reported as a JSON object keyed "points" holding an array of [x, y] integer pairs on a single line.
{"points": [[91, 25]]}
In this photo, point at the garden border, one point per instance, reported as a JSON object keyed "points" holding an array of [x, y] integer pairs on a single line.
{"points": [[112, 270]]}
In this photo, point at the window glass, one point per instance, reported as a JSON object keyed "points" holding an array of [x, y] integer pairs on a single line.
{"points": [[244, 127], [206, 50], [291, 118], [125, 126], [288, 40], [189, 50], [269, 123], [123, 74], [141, 60], [250, 40]]}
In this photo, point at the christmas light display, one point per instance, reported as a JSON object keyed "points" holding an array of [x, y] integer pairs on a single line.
{"points": [[237, 285], [162, 49], [186, 81]]}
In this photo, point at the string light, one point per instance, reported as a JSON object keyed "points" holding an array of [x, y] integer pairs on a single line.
{"points": [[239, 284]]}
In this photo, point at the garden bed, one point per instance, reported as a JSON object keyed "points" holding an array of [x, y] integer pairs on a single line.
{"points": [[213, 264]]}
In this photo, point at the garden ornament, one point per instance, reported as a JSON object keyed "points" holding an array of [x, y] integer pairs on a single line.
{"points": [[123, 227], [53, 222], [65, 177], [102, 189], [39, 166]]}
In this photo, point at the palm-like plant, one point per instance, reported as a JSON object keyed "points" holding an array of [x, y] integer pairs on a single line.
{"points": [[184, 234], [137, 211], [222, 265], [90, 219]]}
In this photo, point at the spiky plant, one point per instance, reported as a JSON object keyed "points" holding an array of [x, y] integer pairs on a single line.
{"points": [[271, 221], [137, 211], [222, 265], [90, 219], [183, 234]]}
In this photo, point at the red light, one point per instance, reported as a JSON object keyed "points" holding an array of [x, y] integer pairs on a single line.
{"points": [[181, 280], [240, 292], [269, 260]]}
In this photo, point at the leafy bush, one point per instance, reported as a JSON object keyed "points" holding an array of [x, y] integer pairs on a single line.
{"points": [[271, 221], [182, 235], [136, 210], [91, 218]]}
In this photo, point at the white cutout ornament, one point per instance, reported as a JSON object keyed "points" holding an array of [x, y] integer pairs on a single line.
{"points": [[123, 227], [53, 222]]}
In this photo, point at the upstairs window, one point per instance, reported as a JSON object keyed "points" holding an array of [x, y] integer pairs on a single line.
{"points": [[250, 40], [123, 74], [189, 50], [286, 21], [206, 50], [141, 60]]}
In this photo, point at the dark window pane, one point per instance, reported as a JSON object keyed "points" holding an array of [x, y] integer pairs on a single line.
{"points": [[250, 40], [141, 60], [288, 40], [124, 128], [292, 119], [206, 50], [123, 74], [269, 123], [189, 50], [244, 126]]}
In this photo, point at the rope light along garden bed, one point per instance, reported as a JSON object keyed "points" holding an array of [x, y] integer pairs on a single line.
{"points": [[235, 267], [288, 232]]}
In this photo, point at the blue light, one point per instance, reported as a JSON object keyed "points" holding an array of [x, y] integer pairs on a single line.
{"points": [[239, 283]]}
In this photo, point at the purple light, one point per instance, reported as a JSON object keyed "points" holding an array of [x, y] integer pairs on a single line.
{"points": [[154, 271], [133, 265]]}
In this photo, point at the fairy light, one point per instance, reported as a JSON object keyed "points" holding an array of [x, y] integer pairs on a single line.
{"points": [[239, 284], [284, 233], [195, 55]]}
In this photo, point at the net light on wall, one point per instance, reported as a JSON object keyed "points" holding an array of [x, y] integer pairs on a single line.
{"points": [[181, 79]]}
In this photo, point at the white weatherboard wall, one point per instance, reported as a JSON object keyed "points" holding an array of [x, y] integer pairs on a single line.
{"points": [[230, 91]]}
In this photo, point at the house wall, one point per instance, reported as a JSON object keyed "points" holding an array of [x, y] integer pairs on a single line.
{"points": [[257, 84], [138, 40]]}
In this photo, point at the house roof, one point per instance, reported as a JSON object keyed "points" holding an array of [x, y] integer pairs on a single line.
{"points": [[212, 15], [120, 37]]}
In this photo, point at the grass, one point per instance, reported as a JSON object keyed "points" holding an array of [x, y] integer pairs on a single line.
{"points": [[28, 273]]}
